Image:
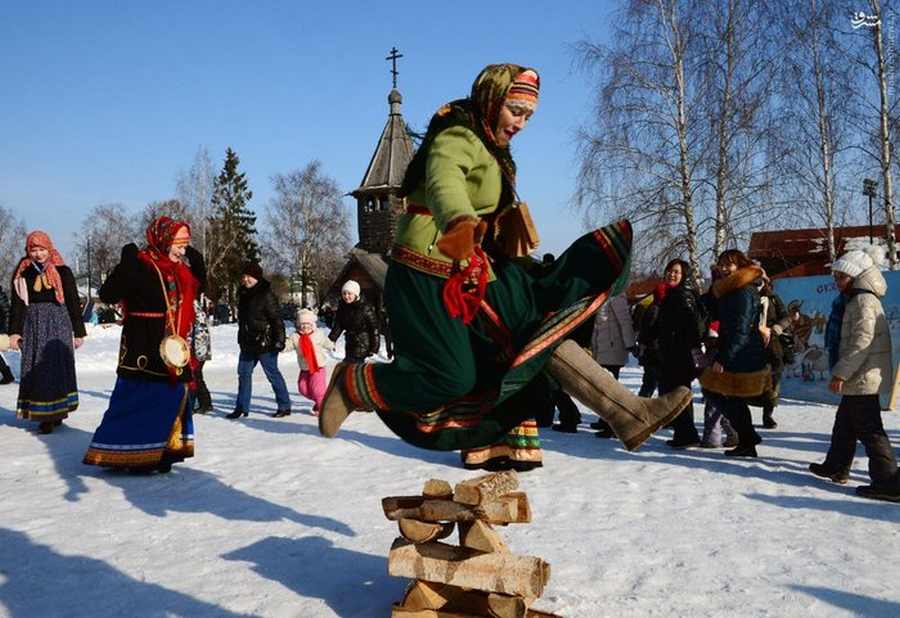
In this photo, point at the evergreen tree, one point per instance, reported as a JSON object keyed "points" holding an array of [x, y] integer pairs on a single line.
{"points": [[232, 231]]}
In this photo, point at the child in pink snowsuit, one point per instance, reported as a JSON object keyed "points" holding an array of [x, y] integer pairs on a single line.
{"points": [[311, 345]]}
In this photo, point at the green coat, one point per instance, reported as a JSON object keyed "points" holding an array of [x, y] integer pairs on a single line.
{"points": [[461, 179]]}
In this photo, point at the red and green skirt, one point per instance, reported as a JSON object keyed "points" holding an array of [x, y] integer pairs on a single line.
{"points": [[456, 386]]}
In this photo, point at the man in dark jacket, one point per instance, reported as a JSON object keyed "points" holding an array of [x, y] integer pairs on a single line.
{"points": [[357, 320], [261, 338]]}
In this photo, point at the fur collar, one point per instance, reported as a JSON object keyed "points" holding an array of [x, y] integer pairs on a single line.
{"points": [[740, 278]]}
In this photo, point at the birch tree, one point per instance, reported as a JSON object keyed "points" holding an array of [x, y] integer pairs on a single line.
{"points": [[819, 95], [640, 152], [194, 189], [308, 231]]}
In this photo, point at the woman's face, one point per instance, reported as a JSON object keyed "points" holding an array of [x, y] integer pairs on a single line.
{"points": [[726, 268], [511, 121], [674, 275], [179, 244], [306, 328], [842, 280], [348, 297], [39, 254]]}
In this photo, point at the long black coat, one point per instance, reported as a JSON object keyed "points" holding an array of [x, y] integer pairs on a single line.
{"points": [[137, 285], [260, 327], [360, 322], [679, 328]]}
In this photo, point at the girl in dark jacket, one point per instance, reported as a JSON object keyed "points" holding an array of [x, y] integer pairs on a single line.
{"points": [[679, 328], [356, 319], [740, 371]]}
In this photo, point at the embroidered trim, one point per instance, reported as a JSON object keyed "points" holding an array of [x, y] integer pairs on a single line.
{"points": [[423, 263]]}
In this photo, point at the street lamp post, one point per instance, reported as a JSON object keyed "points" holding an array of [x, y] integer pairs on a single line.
{"points": [[869, 188]]}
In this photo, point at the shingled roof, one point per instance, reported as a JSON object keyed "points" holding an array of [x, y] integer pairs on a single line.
{"points": [[393, 154]]}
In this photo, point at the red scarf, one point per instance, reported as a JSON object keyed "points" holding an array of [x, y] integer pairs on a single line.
{"points": [[465, 289], [307, 348], [180, 284]]}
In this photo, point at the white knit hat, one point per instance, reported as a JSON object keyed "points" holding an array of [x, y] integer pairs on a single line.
{"points": [[352, 287], [305, 316], [853, 263]]}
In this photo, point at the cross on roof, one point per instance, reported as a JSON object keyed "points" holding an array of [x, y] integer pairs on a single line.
{"points": [[393, 58]]}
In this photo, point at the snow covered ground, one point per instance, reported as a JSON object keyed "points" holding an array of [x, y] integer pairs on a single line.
{"points": [[270, 519]]}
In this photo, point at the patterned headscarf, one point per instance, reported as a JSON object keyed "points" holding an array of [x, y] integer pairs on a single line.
{"points": [[494, 85], [480, 113], [48, 269], [161, 233]]}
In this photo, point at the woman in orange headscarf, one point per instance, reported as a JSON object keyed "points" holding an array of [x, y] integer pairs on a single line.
{"points": [[148, 425], [46, 325]]}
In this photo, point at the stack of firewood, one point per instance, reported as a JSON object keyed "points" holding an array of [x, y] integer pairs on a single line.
{"points": [[478, 577]]}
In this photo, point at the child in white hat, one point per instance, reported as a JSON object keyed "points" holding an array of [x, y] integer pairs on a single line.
{"points": [[311, 346]]}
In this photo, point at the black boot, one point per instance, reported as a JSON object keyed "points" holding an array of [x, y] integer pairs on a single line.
{"points": [[839, 477], [46, 427], [282, 413], [768, 421], [236, 414], [742, 451]]}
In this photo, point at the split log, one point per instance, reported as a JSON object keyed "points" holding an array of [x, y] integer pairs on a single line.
{"points": [[423, 531], [460, 566], [485, 488], [428, 595], [510, 509], [421, 595], [436, 488], [398, 611], [479, 535]]}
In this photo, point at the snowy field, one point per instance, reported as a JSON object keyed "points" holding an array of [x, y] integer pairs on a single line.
{"points": [[270, 519]]}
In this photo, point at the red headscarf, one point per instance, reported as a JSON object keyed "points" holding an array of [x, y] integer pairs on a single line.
{"points": [[40, 239], [160, 235]]}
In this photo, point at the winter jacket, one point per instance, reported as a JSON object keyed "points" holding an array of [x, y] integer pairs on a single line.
{"points": [[136, 285], [740, 346], [321, 345], [865, 362], [647, 336], [777, 320], [679, 328], [260, 327], [359, 321], [462, 178], [613, 334], [47, 295]]}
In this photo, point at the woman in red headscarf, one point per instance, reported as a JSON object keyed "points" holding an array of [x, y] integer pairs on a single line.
{"points": [[46, 325], [148, 425]]}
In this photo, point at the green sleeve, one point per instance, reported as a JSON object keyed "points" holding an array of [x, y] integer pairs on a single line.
{"points": [[450, 160]]}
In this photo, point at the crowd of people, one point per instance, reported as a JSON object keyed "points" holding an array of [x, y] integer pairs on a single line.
{"points": [[486, 342]]}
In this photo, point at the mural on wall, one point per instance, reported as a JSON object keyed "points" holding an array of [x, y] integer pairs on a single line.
{"points": [[809, 300]]}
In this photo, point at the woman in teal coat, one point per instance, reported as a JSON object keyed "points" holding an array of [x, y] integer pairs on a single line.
{"points": [[472, 330]]}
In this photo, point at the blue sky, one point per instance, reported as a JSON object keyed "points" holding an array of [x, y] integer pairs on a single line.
{"points": [[107, 101]]}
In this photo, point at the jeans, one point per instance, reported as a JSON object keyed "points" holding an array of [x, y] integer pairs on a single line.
{"points": [[246, 365]]}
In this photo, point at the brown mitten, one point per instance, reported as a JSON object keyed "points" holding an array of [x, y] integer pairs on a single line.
{"points": [[461, 237]]}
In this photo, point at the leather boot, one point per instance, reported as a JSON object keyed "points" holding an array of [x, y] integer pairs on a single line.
{"points": [[632, 418], [336, 406]]}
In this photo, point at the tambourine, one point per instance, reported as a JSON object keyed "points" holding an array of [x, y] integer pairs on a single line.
{"points": [[174, 351]]}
